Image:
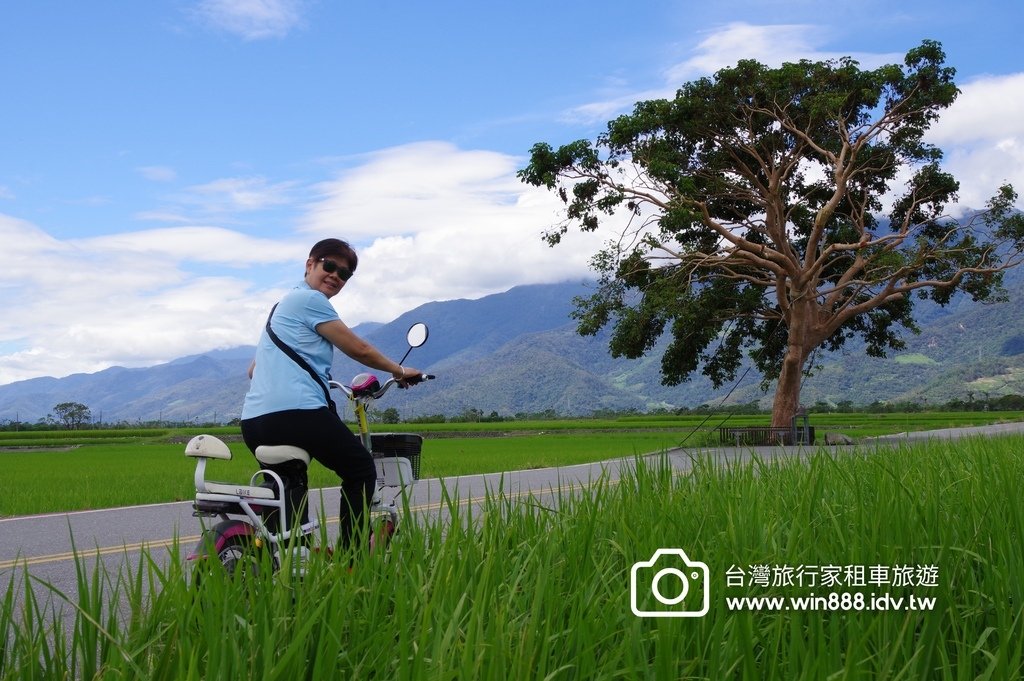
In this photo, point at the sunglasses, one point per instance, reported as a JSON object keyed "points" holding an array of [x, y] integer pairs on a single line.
{"points": [[331, 267]]}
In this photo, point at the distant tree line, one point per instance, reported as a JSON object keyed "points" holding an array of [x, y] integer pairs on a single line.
{"points": [[76, 416], [1011, 402]]}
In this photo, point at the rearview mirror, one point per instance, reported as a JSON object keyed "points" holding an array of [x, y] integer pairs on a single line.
{"points": [[417, 335]]}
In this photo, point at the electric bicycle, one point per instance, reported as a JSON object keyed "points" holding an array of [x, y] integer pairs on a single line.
{"points": [[263, 514]]}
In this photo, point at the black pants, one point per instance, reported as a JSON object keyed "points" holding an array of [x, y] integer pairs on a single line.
{"points": [[322, 433]]}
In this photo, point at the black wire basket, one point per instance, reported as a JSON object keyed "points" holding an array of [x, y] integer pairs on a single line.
{"points": [[408, 445]]}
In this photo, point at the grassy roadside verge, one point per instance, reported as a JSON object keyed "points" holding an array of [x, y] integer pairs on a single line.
{"points": [[538, 590]]}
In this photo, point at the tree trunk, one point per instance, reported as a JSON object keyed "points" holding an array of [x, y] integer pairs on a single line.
{"points": [[803, 338], [787, 392]]}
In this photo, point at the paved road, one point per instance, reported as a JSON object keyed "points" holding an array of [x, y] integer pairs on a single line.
{"points": [[952, 433], [46, 544]]}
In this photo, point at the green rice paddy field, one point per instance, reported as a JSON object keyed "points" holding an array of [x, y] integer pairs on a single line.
{"points": [[57, 471]]}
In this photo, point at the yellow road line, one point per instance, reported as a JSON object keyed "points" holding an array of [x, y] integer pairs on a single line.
{"points": [[105, 551]]}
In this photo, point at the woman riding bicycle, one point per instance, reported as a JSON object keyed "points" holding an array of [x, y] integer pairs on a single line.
{"points": [[289, 401]]}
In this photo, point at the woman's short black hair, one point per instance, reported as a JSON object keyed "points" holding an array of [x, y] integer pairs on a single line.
{"points": [[336, 247]]}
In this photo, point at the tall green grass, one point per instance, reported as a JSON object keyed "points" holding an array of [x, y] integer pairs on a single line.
{"points": [[539, 588]]}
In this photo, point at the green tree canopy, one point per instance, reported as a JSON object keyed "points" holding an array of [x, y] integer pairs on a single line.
{"points": [[774, 211], [72, 414]]}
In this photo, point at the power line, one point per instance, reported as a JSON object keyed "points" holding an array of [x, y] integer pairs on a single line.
{"points": [[778, 325]]}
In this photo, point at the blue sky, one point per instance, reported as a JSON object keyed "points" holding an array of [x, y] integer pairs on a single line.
{"points": [[166, 165]]}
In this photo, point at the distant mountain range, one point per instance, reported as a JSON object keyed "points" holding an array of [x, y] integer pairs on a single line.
{"points": [[518, 352]]}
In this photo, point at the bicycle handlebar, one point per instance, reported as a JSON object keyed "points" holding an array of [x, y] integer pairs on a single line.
{"points": [[384, 387]]}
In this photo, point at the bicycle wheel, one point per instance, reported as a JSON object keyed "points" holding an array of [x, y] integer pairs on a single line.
{"points": [[238, 556], [381, 536]]}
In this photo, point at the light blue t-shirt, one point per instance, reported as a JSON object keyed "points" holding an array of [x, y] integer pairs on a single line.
{"points": [[278, 382]]}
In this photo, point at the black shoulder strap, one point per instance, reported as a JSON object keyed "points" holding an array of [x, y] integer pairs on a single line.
{"points": [[286, 349]]}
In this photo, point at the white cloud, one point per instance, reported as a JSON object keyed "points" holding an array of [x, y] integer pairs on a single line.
{"points": [[251, 19], [414, 188], [988, 109], [772, 45], [192, 244], [604, 110], [221, 200], [237, 194], [130, 299], [430, 222], [433, 222], [158, 173], [161, 216], [129, 320], [982, 136]]}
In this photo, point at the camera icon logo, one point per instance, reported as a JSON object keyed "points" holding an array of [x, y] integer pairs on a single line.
{"points": [[669, 585]]}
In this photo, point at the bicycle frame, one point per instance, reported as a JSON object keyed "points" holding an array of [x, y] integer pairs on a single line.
{"points": [[222, 499], [393, 472]]}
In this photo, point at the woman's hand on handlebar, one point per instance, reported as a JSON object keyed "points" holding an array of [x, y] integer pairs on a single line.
{"points": [[407, 376]]}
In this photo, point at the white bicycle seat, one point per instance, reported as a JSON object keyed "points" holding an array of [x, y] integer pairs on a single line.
{"points": [[275, 454]]}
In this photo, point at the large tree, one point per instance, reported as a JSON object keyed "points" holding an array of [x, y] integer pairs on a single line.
{"points": [[775, 211], [72, 414]]}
